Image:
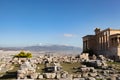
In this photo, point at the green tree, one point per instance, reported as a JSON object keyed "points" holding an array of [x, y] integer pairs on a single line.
{"points": [[22, 54], [29, 55]]}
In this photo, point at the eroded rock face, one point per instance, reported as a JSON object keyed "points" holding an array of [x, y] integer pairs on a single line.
{"points": [[34, 76], [64, 75], [79, 79], [70, 76], [85, 74], [58, 76], [76, 75], [21, 76], [88, 69], [92, 69], [93, 74], [40, 76], [101, 57], [84, 56], [49, 75]]}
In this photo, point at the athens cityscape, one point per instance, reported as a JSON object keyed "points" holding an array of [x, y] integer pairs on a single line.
{"points": [[59, 39]]}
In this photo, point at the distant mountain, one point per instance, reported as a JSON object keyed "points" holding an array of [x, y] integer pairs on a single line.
{"points": [[50, 48], [53, 48], [10, 48]]}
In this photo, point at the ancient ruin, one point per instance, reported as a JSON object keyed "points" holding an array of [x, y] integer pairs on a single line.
{"points": [[105, 42]]}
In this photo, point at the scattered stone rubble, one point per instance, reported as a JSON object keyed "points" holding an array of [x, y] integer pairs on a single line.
{"points": [[27, 69], [5, 65], [94, 68]]}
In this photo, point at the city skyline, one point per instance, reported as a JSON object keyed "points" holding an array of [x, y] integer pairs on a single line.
{"points": [[63, 22]]}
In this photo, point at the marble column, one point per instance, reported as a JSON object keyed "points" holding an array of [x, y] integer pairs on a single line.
{"points": [[103, 41], [118, 40], [99, 43], [106, 41]]}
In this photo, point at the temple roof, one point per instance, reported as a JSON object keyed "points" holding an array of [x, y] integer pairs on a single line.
{"points": [[89, 36]]}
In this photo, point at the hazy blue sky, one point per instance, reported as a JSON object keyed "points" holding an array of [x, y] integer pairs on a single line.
{"points": [[64, 22]]}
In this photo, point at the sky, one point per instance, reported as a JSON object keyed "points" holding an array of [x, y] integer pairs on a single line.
{"points": [[48, 22]]}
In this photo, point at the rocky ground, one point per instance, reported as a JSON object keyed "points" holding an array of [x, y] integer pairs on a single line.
{"points": [[62, 68]]}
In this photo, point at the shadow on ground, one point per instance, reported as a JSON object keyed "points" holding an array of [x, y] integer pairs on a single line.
{"points": [[9, 75]]}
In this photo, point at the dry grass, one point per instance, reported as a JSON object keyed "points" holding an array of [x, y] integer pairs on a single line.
{"points": [[41, 67], [69, 66], [115, 65]]}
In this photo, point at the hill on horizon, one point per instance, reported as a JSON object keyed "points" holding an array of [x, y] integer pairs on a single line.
{"points": [[51, 48]]}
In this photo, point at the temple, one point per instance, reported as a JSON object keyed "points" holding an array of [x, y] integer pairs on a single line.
{"points": [[105, 42]]}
